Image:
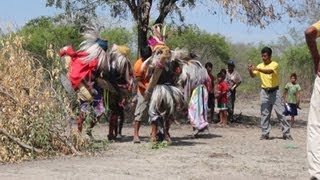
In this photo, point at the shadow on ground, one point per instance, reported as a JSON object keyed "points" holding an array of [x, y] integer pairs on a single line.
{"points": [[240, 119]]}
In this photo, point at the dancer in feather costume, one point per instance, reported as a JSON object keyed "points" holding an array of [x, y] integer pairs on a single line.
{"points": [[91, 70], [120, 75], [84, 67], [196, 83]]}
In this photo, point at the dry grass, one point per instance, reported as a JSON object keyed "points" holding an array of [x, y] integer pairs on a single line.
{"points": [[33, 109]]}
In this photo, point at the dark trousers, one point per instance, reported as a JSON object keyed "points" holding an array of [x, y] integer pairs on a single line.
{"points": [[230, 104]]}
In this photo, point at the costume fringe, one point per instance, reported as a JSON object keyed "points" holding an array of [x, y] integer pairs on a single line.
{"points": [[193, 74], [165, 100], [121, 63]]}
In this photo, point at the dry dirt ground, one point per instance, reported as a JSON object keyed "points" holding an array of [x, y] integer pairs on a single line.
{"points": [[231, 153]]}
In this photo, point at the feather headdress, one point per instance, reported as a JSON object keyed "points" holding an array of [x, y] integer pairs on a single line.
{"points": [[94, 46], [120, 62]]}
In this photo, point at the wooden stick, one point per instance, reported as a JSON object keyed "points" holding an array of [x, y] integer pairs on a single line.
{"points": [[16, 140], [65, 140]]}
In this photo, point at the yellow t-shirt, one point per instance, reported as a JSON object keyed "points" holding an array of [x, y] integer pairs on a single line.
{"points": [[269, 80], [317, 26]]}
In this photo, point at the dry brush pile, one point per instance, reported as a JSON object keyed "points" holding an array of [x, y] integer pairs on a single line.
{"points": [[33, 111]]}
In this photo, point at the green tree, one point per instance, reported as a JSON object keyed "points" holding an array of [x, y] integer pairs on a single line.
{"points": [[120, 36], [210, 47], [298, 60], [257, 13], [42, 32]]}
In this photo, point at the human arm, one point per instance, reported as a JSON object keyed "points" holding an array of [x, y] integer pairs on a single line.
{"points": [[222, 89], [311, 34], [234, 85], [298, 96], [235, 81], [285, 94], [218, 92], [251, 70], [264, 71], [139, 83]]}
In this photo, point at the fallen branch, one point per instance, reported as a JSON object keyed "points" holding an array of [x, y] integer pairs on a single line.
{"points": [[65, 140], [16, 140]]}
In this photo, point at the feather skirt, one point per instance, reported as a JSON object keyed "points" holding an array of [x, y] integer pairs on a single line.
{"points": [[165, 101]]}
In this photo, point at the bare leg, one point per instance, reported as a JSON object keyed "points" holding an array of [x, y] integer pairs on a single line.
{"points": [[112, 126], [221, 117], [120, 124], [136, 128], [292, 121], [166, 131], [225, 118], [154, 129]]}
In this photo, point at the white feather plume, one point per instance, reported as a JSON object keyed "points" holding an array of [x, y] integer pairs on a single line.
{"points": [[90, 46], [121, 63], [193, 74]]}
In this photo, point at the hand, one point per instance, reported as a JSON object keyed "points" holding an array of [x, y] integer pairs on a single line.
{"points": [[94, 92], [233, 87], [251, 67], [147, 95]]}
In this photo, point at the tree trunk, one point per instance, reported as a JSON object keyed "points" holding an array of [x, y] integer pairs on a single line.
{"points": [[142, 37]]}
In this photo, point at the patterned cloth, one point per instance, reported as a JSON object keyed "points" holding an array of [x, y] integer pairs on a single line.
{"points": [[198, 107]]}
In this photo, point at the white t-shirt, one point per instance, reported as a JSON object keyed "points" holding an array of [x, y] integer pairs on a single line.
{"points": [[233, 78]]}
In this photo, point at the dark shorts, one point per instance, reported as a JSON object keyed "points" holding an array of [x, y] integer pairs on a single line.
{"points": [[211, 101], [290, 109]]}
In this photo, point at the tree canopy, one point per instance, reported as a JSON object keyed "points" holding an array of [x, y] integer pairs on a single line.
{"points": [[253, 12], [210, 47]]}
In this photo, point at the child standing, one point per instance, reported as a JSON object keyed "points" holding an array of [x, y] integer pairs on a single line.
{"points": [[292, 97], [221, 96]]}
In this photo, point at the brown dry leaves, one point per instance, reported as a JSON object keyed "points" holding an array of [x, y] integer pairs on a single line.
{"points": [[29, 109]]}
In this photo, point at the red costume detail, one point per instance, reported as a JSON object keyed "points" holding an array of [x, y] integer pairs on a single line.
{"points": [[78, 68]]}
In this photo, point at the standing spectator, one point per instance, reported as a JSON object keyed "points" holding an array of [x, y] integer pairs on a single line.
{"points": [[292, 97], [211, 99], [233, 80], [270, 96], [141, 111], [221, 96], [313, 134]]}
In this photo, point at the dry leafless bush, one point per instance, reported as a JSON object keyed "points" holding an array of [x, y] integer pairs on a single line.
{"points": [[33, 111]]}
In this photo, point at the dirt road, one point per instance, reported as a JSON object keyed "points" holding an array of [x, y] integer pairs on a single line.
{"points": [[234, 152]]}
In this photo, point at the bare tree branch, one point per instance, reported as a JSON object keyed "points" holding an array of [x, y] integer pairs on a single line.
{"points": [[20, 143]]}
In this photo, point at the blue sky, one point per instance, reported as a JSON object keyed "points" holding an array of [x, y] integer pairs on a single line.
{"points": [[17, 12]]}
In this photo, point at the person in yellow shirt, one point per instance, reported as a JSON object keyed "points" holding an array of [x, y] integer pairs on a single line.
{"points": [[313, 128], [270, 96]]}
